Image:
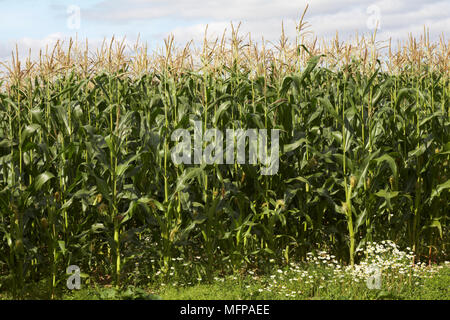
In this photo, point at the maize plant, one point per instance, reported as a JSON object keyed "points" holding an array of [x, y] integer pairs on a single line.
{"points": [[86, 167]]}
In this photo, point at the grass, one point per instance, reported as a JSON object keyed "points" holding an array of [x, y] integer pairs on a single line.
{"points": [[320, 277], [247, 288], [286, 287]]}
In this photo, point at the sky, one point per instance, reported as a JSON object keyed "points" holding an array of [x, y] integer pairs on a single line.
{"points": [[33, 24]]}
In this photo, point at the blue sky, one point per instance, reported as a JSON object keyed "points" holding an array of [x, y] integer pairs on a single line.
{"points": [[36, 23]]}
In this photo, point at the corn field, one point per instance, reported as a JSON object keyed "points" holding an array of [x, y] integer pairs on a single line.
{"points": [[86, 172]]}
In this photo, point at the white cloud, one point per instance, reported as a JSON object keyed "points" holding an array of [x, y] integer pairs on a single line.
{"points": [[187, 19], [264, 17], [26, 44]]}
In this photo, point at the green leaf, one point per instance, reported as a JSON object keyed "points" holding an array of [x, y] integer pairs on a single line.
{"points": [[361, 219], [222, 108], [436, 224], [292, 146], [330, 109], [97, 227], [188, 175], [42, 179], [391, 163], [121, 168], [386, 194], [28, 131], [62, 246], [439, 188]]}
